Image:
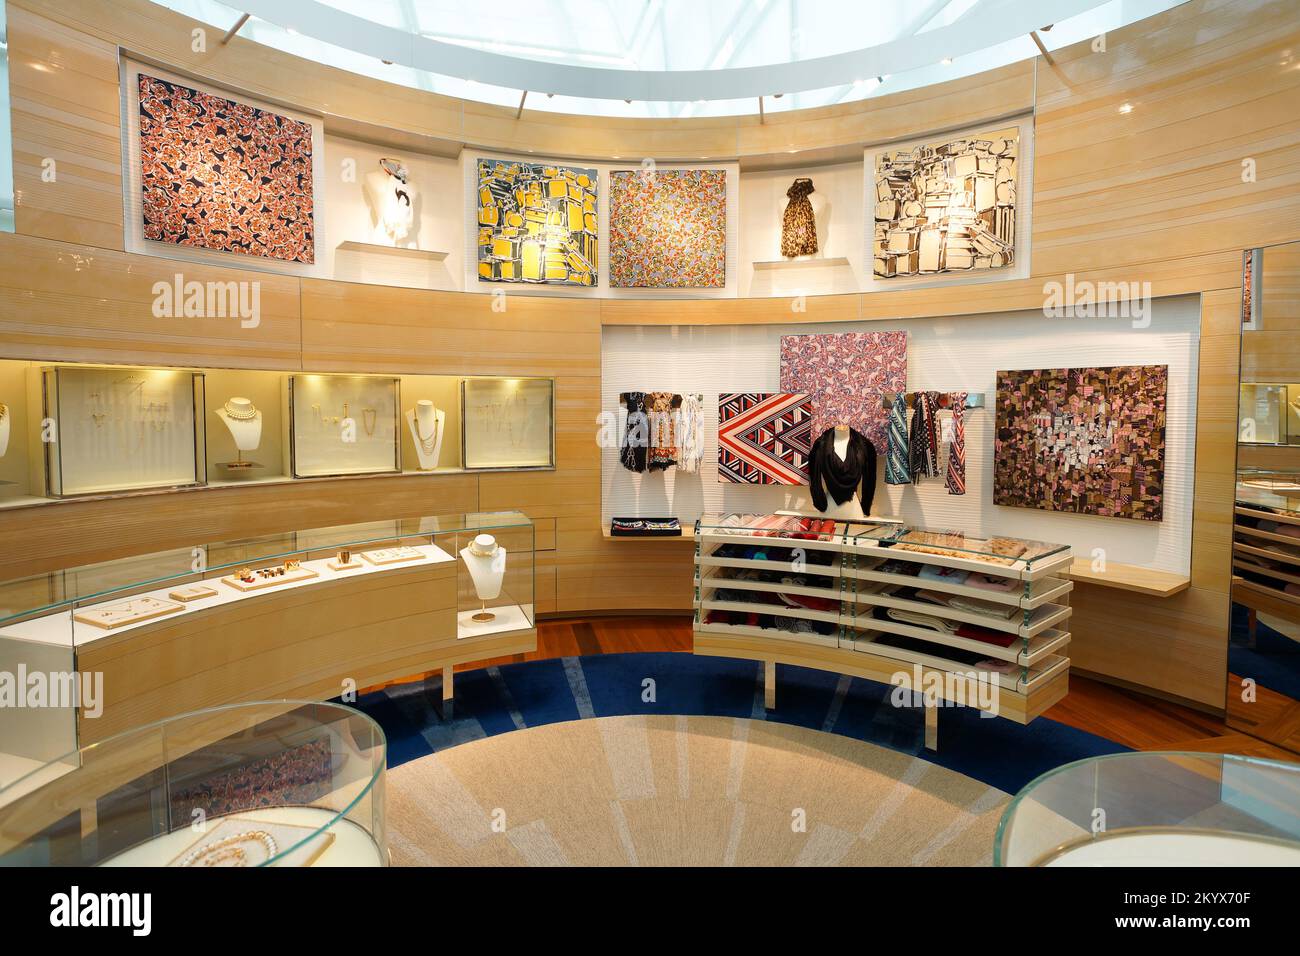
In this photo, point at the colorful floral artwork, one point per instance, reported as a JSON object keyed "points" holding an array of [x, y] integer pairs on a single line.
{"points": [[764, 438], [1084, 440], [537, 222], [948, 206], [846, 374], [668, 228], [222, 175]]}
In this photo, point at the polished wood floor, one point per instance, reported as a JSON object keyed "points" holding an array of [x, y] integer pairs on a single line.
{"points": [[1124, 716]]}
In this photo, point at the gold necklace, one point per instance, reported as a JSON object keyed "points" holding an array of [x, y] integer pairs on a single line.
{"points": [[431, 443], [369, 419], [214, 853]]}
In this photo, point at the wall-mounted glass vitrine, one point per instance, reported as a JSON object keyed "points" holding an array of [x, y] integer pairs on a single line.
{"points": [[509, 422], [121, 429], [343, 425]]}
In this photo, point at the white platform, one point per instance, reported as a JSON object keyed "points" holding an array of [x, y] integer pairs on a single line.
{"points": [[1177, 849], [508, 618]]}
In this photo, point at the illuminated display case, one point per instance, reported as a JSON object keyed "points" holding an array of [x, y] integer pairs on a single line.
{"points": [[109, 430], [509, 422], [343, 425]]}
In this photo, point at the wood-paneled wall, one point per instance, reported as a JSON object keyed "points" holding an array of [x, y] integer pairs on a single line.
{"points": [[1153, 193]]}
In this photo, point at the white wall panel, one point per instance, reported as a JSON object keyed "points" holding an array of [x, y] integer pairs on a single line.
{"points": [[948, 354]]}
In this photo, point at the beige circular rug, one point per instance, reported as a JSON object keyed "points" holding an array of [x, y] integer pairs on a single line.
{"points": [[684, 791]]}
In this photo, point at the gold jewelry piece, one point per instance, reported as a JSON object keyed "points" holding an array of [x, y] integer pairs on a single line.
{"points": [[345, 557], [428, 445], [4, 410], [292, 564], [483, 550], [369, 419]]}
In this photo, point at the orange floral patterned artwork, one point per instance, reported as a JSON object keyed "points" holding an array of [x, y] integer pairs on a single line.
{"points": [[222, 175], [668, 228]]}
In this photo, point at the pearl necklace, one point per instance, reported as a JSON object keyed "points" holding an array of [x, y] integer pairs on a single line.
{"points": [[229, 849], [238, 415]]}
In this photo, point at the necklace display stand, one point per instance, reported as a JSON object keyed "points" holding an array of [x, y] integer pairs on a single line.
{"points": [[426, 423], [244, 421], [5, 424], [486, 561]]}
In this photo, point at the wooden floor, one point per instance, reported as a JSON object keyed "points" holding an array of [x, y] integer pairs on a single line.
{"points": [[1126, 717]]}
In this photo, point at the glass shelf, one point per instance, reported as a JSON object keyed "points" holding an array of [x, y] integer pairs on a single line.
{"points": [[1000, 554], [275, 783], [1156, 809]]}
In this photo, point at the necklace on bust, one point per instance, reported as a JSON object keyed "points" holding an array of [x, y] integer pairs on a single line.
{"points": [[483, 549], [240, 414], [428, 445]]}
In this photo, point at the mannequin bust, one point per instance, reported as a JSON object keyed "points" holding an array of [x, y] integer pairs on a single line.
{"points": [[244, 421], [392, 201], [486, 561], [5, 425], [841, 475], [426, 422]]}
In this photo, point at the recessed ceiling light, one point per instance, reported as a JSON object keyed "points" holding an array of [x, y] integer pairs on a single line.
{"points": [[1126, 108]]}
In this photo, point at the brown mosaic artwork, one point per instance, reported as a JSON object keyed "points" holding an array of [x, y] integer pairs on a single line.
{"points": [[1083, 440], [222, 175]]}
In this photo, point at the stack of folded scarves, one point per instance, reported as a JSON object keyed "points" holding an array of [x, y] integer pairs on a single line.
{"points": [[645, 527]]}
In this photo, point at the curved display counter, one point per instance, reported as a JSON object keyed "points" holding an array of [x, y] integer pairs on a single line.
{"points": [[310, 614], [1156, 809], [268, 783]]}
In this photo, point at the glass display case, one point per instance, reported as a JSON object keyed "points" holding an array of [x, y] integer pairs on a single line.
{"points": [[343, 425], [998, 606], [1269, 414], [119, 429], [275, 783], [49, 622], [1155, 809], [509, 422]]}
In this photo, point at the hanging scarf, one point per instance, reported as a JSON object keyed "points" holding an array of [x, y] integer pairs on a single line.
{"points": [[924, 441], [897, 464], [956, 477]]}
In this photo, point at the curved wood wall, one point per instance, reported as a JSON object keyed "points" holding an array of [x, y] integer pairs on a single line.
{"points": [[1153, 194]]}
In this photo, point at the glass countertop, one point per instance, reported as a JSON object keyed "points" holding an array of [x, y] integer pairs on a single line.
{"points": [[67, 588], [998, 549]]}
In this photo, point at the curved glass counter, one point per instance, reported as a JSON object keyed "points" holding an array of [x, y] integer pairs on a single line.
{"points": [[270, 783], [1156, 809]]}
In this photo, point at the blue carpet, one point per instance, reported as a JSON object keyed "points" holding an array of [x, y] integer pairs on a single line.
{"points": [[498, 700], [1274, 661]]}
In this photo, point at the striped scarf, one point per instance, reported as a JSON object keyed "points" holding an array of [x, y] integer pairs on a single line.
{"points": [[956, 477], [924, 442], [897, 463]]}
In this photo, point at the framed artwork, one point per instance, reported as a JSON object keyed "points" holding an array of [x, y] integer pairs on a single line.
{"points": [[222, 175], [1082, 440], [947, 206], [846, 375], [537, 222], [668, 228], [764, 438]]}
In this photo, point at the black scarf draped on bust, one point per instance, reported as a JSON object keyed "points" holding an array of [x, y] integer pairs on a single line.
{"points": [[842, 476]]}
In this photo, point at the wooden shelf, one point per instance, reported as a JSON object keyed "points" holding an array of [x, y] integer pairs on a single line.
{"points": [[1130, 577]]}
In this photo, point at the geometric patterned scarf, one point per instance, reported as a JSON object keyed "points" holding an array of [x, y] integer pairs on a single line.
{"points": [[956, 477], [924, 441], [897, 463]]}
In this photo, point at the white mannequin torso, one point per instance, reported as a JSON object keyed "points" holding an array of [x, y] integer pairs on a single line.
{"points": [[487, 572], [247, 432], [394, 215], [426, 422], [4, 429]]}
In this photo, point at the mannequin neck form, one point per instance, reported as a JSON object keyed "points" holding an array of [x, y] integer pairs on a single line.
{"points": [[487, 572], [425, 422], [4, 434], [247, 432], [841, 441]]}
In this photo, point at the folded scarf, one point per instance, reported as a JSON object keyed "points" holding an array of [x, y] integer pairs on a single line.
{"points": [[923, 443], [923, 620]]}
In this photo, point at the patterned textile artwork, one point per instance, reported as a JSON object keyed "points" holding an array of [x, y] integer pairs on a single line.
{"points": [[1084, 440], [668, 229], [537, 223], [846, 375], [947, 207], [764, 438], [216, 174]]}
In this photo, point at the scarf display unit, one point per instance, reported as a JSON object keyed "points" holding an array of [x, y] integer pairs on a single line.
{"points": [[980, 622]]}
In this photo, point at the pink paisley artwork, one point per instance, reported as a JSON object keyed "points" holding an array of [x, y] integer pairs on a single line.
{"points": [[846, 374]]}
